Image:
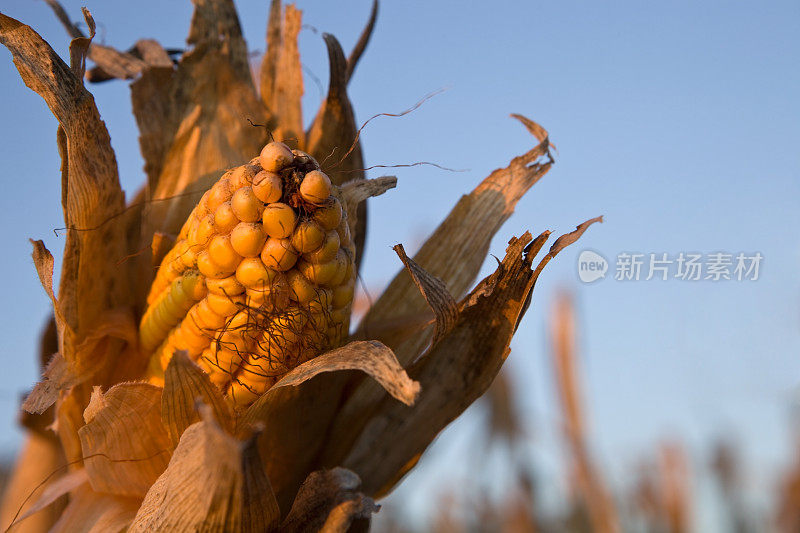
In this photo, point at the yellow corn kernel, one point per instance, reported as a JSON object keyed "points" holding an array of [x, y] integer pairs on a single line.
{"points": [[315, 187], [229, 286], [308, 236], [253, 274], [342, 295], [209, 268], [327, 251], [279, 254], [225, 305], [300, 289], [318, 273], [221, 251], [275, 156], [248, 239], [279, 220], [246, 206], [224, 218], [329, 214], [202, 234], [219, 194], [268, 187]]}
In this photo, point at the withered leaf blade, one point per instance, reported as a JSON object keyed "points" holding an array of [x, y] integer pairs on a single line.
{"points": [[38, 457], [55, 490], [95, 511], [91, 192], [112, 63], [287, 93], [334, 133], [56, 377], [124, 443], [260, 511], [356, 191], [204, 486], [207, 125], [329, 501], [269, 63], [363, 41], [587, 487], [185, 384], [295, 418], [371, 357], [294, 421], [465, 234], [453, 374], [435, 293]]}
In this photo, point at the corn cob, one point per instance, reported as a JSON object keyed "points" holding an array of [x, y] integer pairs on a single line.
{"points": [[260, 279]]}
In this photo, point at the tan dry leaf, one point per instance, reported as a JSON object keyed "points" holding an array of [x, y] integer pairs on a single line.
{"points": [[329, 501], [91, 193], [296, 418], [294, 421], [186, 386], [356, 191], [38, 458], [125, 445], [96, 354], [465, 234], [588, 489], [333, 134], [56, 377], [269, 62], [204, 486], [94, 512], [363, 41], [212, 98], [435, 293], [453, 374], [55, 490], [288, 84], [371, 357]]}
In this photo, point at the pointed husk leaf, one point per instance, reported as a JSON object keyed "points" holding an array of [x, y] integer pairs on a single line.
{"points": [[125, 445]]}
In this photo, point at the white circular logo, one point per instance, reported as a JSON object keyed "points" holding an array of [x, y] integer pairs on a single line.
{"points": [[591, 266]]}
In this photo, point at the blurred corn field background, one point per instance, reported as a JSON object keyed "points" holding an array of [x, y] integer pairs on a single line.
{"points": [[640, 406]]}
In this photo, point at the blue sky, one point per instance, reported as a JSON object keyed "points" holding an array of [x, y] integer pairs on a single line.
{"points": [[676, 121]]}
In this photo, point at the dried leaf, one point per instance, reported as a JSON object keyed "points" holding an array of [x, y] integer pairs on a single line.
{"points": [[55, 490], [186, 385], [587, 484], [205, 484], [296, 418], [356, 191], [114, 64], [260, 510], [43, 261], [328, 501], [466, 234], [453, 373], [125, 445], [56, 377], [288, 83], [95, 512], [435, 293], [370, 357], [333, 134], [269, 63], [363, 40], [91, 192], [294, 421], [38, 458], [212, 99]]}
